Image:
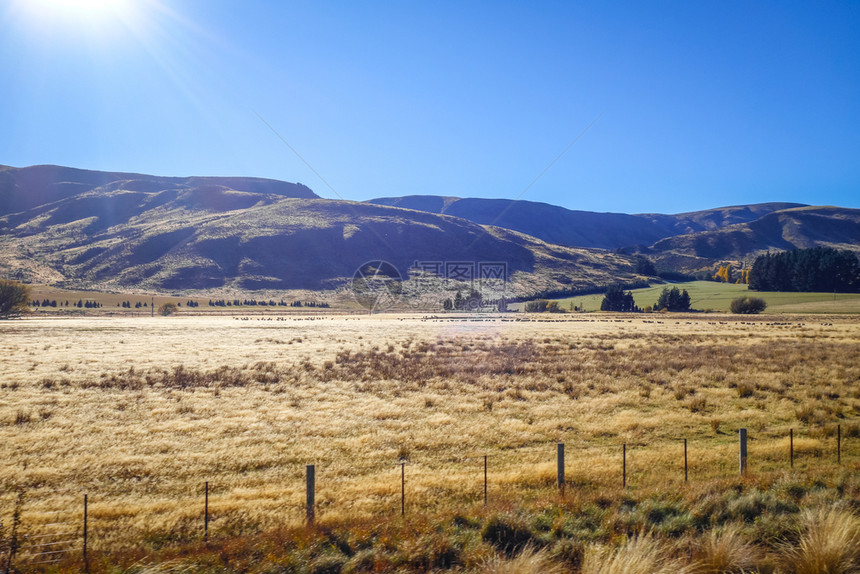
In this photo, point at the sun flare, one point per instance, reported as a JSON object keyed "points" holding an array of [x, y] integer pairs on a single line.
{"points": [[82, 5], [87, 10]]}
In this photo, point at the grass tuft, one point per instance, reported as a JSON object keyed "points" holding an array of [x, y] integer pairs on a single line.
{"points": [[640, 555], [829, 543], [528, 561], [726, 551]]}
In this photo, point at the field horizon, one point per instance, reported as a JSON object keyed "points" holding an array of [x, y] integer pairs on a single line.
{"points": [[706, 296]]}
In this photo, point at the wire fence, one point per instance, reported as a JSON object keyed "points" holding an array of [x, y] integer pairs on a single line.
{"points": [[67, 533]]}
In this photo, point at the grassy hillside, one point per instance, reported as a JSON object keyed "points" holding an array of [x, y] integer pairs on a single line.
{"points": [[202, 234], [582, 228], [709, 295], [797, 228], [29, 187], [686, 242]]}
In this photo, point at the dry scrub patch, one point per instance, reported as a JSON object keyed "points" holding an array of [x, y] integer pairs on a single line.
{"points": [[140, 412]]}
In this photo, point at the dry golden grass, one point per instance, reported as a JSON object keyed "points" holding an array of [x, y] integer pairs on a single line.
{"points": [[829, 543], [727, 551], [529, 561], [641, 555], [140, 412]]}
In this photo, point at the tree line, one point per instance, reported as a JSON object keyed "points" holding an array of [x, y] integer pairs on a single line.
{"points": [[264, 303], [821, 269], [619, 300], [80, 303]]}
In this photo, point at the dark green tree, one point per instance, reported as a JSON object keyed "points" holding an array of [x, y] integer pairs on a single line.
{"points": [[644, 266], [13, 298], [820, 269], [474, 301], [616, 299], [673, 300]]}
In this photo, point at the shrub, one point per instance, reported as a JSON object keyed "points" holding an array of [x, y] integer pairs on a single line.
{"points": [[167, 309], [747, 305], [538, 306], [13, 298]]}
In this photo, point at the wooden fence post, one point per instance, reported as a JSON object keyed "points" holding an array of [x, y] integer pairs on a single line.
{"points": [[86, 562], [560, 466], [402, 489], [206, 514], [838, 444], [742, 450], [624, 466], [791, 447], [485, 480], [685, 460], [310, 478]]}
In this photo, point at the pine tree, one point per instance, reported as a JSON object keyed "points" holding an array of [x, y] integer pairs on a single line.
{"points": [[616, 299], [820, 269], [673, 300]]}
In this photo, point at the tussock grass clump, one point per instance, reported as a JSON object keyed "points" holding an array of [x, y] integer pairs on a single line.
{"points": [[640, 555], [528, 561], [829, 543], [726, 551]]}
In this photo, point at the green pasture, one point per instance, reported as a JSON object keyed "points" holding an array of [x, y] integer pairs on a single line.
{"points": [[712, 296]]}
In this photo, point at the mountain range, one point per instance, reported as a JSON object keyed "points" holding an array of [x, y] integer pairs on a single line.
{"points": [[122, 231], [583, 228], [685, 242]]}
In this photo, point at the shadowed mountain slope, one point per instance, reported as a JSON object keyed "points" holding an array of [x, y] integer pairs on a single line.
{"points": [[583, 228], [29, 187], [797, 228], [121, 231]]}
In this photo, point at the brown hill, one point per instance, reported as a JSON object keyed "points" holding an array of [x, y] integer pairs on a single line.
{"points": [[583, 228], [801, 227], [121, 231]]}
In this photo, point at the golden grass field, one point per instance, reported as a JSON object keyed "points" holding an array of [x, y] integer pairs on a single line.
{"points": [[139, 412]]}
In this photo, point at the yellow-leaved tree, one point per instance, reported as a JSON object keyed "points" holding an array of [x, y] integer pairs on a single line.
{"points": [[724, 273]]}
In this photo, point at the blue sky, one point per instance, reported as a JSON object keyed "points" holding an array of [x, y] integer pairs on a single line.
{"points": [[651, 106]]}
